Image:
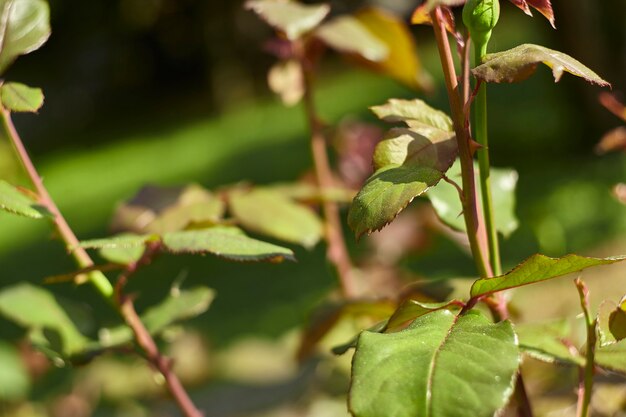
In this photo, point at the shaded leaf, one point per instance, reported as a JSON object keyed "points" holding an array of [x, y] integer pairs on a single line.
{"points": [[167, 209], [289, 17], [538, 268], [226, 242], [543, 6], [519, 63], [270, 213], [348, 35], [376, 328], [612, 104], [447, 203], [612, 357], [37, 310], [122, 255], [386, 194], [18, 97], [402, 62], [617, 321], [73, 276], [178, 306], [325, 318], [286, 80], [14, 378], [415, 113], [412, 309], [402, 146], [16, 202], [427, 370], [544, 341], [613, 140], [24, 27], [311, 193]]}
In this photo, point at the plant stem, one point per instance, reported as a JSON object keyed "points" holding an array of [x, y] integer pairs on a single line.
{"points": [[481, 136], [585, 388], [337, 252], [475, 229], [100, 282]]}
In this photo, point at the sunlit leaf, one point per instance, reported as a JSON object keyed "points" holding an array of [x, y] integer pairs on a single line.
{"points": [[519, 63], [21, 98], [447, 203], [348, 35], [226, 242], [121, 241], [613, 140], [544, 341], [612, 357], [442, 365], [289, 17], [270, 213], [612, 104], [386, 194], [14, 378], [538, 268], [421, 16], [412, 309], [402, 62], [402, 146], [178, 306], [415, 113], [311, 193], [24, 27], [37, 310], [285, 79], [14, 201]]}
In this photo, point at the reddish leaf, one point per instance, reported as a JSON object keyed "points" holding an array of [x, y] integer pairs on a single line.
{"points": [[543, 6]]}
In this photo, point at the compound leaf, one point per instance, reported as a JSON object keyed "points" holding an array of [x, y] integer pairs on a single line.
{"points": [[226, 242], [442, 365], [18, 97], [538, 268], [272, 214], [519, 63], [289, 17], [415, 113], [14, 201], [24, 27]]}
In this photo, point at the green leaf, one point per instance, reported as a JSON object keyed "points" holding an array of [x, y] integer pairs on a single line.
{"points": [[519, 63], [21, 98], [311, 193], [14, 378], [412, 309], [538, 268], [24, 27], [441, 366], [604, 332], [16, 202], [226, 242], [447, 203], [386, 194], [290, 17], [274, 215], [348, 35], [612, 357], [415, 113], [544, 341], [39, 311], [180, 305], [123, 241]]}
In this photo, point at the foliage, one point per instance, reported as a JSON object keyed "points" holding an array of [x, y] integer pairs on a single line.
{"points": [[423, 353]]}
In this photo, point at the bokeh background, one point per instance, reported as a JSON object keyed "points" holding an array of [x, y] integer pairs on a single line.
{"points": [[169, 92]]}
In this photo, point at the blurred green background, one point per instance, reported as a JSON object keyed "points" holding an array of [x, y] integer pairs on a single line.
{"points": [[174, 91]]}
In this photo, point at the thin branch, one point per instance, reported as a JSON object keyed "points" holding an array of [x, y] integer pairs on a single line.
{"points": [[585, 387], [337, 252], [97, 278]]}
